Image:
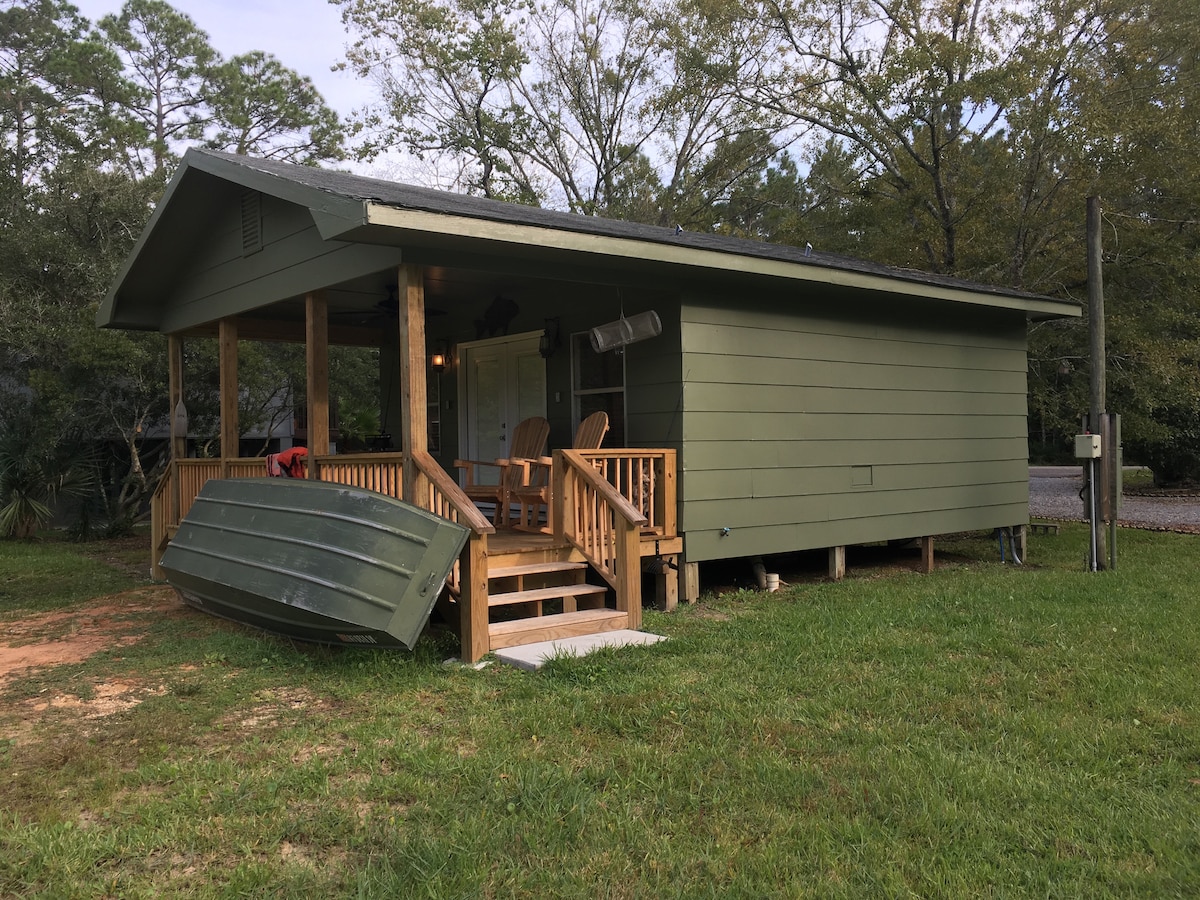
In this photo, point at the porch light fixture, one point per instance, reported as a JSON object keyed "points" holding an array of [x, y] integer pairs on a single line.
{"points": [[551, 339], [439, 359]]}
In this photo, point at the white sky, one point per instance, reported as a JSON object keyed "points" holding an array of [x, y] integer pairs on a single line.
{"points": [[305, 35]]}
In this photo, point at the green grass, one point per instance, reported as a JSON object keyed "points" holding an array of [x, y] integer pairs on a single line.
{"points": [[49, 574], [982, 731]]}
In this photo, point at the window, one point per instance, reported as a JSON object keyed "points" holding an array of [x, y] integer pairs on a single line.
{"points": [[599, 384]]}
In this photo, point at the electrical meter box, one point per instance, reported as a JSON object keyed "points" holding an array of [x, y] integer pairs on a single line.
{"points": [[1087, 446]]}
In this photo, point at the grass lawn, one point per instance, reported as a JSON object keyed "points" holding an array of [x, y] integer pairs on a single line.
{"points": [[982, 731]]}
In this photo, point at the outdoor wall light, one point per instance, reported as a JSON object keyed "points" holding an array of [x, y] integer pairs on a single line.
{"points": [[439, 358], [550, 339]]}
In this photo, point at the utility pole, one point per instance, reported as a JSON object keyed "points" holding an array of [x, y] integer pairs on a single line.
{"points": [[1101, 506]]}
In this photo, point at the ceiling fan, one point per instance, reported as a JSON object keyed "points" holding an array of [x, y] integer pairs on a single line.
{"points": [[386, 310]]}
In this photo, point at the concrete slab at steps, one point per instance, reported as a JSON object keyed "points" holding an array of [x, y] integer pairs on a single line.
{"points": [[532, 657]]}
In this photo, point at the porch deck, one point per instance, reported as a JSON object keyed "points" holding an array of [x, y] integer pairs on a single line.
{"points": [[609, 510]]}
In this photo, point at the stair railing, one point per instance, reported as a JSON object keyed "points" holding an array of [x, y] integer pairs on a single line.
{"points": [[162, 518], [604, 526], [437, 492]]}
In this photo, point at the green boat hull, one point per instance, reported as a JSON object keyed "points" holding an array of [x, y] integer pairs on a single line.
{"points": [[313, 560]]}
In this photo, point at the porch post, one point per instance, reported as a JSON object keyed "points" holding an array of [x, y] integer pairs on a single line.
{"points": [[227, 338], [164, 508], [474, 639], [175, 393], [411, 294], [316, 345], [178, 441]]}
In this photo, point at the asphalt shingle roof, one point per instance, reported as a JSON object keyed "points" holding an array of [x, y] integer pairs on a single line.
{"points": [[411, 197]]}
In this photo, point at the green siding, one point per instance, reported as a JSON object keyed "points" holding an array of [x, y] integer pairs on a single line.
{"points": [[775, 343], [811, 427], [719, 369], [883, 429], [653, 393], [759, 454], [756, 539], [771, 398], [739, 484], [221, 281]]}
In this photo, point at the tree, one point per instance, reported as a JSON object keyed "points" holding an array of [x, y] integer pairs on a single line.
{"points": [[584, 104], [36, 467], [50, 75], [169, 60], [260, 107], [444, 72], [911, 88]]}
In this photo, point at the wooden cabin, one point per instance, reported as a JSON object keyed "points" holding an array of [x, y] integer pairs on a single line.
{"points": [[793, 400]]}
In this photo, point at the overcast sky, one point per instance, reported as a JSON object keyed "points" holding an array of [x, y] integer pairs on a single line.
{"points": [[305, 35]]}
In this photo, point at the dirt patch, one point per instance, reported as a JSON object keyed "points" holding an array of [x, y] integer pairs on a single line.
{"points": [[71, 636], [31, 643], [271, 709]]}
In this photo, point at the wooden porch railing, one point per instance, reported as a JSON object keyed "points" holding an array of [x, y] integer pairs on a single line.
{"points": [[381, 472], [646, 479], [603, 525]]}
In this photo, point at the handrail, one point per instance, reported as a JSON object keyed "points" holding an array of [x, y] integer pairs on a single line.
{"points": [[596, 480], [604, 526], [446, 496], [443, 497], [162, 519]]}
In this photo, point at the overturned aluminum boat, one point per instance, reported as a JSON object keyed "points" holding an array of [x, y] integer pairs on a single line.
{"points": [[313, 560]]}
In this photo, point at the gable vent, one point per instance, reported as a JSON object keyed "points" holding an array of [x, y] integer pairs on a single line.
{"points": [[252, 238]]}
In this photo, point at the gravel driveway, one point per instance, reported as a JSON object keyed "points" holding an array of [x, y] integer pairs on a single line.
{"points": [[1054, 494]]}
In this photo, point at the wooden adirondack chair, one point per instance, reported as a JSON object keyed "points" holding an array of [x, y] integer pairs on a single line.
{"points": [[528, 441], [534, 494]]}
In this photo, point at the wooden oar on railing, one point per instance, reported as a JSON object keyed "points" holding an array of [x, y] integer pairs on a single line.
{"points": [[603, 526]]}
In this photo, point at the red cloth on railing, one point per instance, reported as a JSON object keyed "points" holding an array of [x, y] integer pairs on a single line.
{"points": [[289, 463]]}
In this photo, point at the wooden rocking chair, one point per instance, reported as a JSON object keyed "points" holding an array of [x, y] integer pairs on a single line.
{"points": [[528, 441], [534, 494]]}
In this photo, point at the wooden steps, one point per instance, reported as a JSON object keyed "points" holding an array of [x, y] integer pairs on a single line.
{"points": [[536, 595], [538, 591], [537, 568], [550, 628], [529, 572]]}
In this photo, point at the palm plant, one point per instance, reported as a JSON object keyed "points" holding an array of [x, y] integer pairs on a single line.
{"points": [[34, 473]]}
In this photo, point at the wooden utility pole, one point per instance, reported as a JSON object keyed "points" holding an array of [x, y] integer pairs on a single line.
{"points": [[1097, 402]]}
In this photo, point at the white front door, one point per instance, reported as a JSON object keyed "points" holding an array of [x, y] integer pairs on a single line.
{"points": [[502, 382]]}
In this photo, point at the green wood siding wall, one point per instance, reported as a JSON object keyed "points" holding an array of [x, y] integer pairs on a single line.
{"points": [[808, 427], [221, 280], [653, 389]]}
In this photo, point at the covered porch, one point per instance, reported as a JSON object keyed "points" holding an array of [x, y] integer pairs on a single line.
{"points": [[611, 513]]}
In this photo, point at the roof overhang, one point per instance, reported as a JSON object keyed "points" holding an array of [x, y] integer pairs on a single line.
{"points": [[504, 237], [434, 228]]}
